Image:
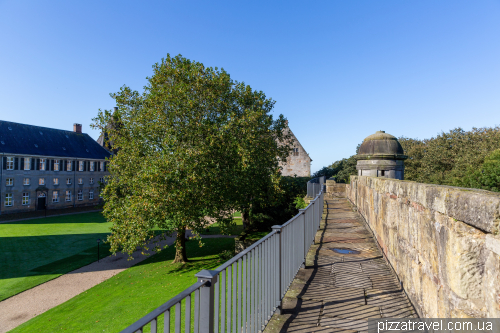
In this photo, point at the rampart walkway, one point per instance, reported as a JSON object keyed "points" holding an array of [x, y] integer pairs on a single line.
{"points": [[339, 291]]}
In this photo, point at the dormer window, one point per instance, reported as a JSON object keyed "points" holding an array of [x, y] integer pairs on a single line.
{"points": [[10, 163], [42, 164]]}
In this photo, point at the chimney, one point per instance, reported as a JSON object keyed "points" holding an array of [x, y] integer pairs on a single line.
{"points": [[77, 128]]}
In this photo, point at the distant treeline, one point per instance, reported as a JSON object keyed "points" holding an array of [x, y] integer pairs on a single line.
{"points": [[458, 158]]}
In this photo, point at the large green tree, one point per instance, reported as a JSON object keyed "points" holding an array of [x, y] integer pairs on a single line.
{"points": [[193, 147]]}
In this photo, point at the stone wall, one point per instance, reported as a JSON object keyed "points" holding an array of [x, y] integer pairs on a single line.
{"points": [[442, 241]]}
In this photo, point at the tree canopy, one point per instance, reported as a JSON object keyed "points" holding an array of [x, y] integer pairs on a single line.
{"points": [[194, 145], [458, 158]]}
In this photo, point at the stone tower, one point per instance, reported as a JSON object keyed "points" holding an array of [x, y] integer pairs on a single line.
{"points": [[381, 155]]}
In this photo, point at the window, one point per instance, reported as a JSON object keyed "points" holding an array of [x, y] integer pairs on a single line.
{"points": [[26, 181], [8, 199], [55, 196], [80, 181], [295, 151], [91, 195], [27, 163], [80, 165], [91, 181], [68, 181], [26, 198], [101, 166], [10, 163], [56, 181], [9, 181], [68, 195], [101, 180], [42, 164], [41, 181], [91, 166], [80, 195], [382, 173], [69, 165], [56, 165]]}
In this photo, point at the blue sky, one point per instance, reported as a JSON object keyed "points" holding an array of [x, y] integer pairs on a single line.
{"points": [[338, 70]]}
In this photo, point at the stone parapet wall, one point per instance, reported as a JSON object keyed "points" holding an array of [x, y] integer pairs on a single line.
{"points": [[442, 241]]}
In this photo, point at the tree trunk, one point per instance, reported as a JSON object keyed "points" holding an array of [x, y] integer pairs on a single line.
{"points": [[244, 219], [180, 246]]}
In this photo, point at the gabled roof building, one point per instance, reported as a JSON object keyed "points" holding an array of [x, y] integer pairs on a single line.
{"points": [[298, 162], [46, 168]]}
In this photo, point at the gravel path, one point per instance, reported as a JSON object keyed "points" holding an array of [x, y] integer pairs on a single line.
{"points": [[22, 307]]}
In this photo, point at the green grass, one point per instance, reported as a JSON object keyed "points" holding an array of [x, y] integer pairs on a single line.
{"points": [[214, 229], [123, 299], [36, 251]]}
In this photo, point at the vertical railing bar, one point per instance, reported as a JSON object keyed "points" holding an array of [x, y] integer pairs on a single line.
{"points": [[234, 308], [240, 275], [216, 307], [187, 314], [249, 293], [197, 311], [223, 301], [228, 308], [166, 321], [154, 325], [245, 288], [178, 318]]}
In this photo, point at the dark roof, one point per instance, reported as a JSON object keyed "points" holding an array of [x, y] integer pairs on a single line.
{"points": [[380, 145], [35, 140]]}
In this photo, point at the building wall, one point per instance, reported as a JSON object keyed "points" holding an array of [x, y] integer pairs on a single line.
{"points": [[442, 241], [298, 162], [19, 188]]}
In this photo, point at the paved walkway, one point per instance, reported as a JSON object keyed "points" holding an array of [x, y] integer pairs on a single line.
{"points": [[338, 292], [30, 303]]}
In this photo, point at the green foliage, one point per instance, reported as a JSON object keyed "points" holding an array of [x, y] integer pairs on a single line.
{"points": [[226, 255], [299, 202], [487, 176], [455, 158], [194, 144], [325, 171], [280, 204]]}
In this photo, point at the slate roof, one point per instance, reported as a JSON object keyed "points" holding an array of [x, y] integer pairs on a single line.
{"points": [[25, 139]]}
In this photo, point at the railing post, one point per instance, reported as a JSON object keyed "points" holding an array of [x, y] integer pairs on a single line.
{"points": [[278, 231], [207, 310], [303, 212]]}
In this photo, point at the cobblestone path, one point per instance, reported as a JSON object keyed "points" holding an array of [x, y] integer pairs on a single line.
{"points": [[339, 291]]}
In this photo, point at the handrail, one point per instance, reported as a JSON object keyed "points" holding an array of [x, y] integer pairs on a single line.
{"points": [[162, 308], [244, 292]]}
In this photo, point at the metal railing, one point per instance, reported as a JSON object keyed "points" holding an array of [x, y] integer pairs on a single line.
{"points": [[242, 294], [314, 186]]}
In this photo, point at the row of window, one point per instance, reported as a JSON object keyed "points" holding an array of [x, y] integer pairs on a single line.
{"points": [[9, 200], [30, 163], [41, 181]]}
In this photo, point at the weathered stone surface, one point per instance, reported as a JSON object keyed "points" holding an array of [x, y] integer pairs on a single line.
{"points": [[329, 295], [442, 241]]}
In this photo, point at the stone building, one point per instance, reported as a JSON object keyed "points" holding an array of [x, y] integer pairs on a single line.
{"points": [[48, 168], [381, 155], [298, 162]]}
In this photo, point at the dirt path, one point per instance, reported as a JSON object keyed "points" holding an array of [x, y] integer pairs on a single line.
{"points": [[30, 303]]}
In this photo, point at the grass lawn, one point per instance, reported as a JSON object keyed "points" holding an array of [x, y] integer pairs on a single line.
{"points": [[121, 300], [38, 250]]}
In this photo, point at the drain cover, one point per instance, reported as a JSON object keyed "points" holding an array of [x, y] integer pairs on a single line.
{"points": [[345, 251]]}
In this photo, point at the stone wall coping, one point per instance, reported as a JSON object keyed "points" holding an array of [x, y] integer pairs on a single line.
{"points": [[477, 208]]}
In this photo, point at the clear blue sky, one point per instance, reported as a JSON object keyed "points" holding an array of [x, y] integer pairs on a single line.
{"points": [[338, 70]]}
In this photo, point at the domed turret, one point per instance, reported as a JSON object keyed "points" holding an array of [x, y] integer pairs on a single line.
{"points": [[381, 155]]}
